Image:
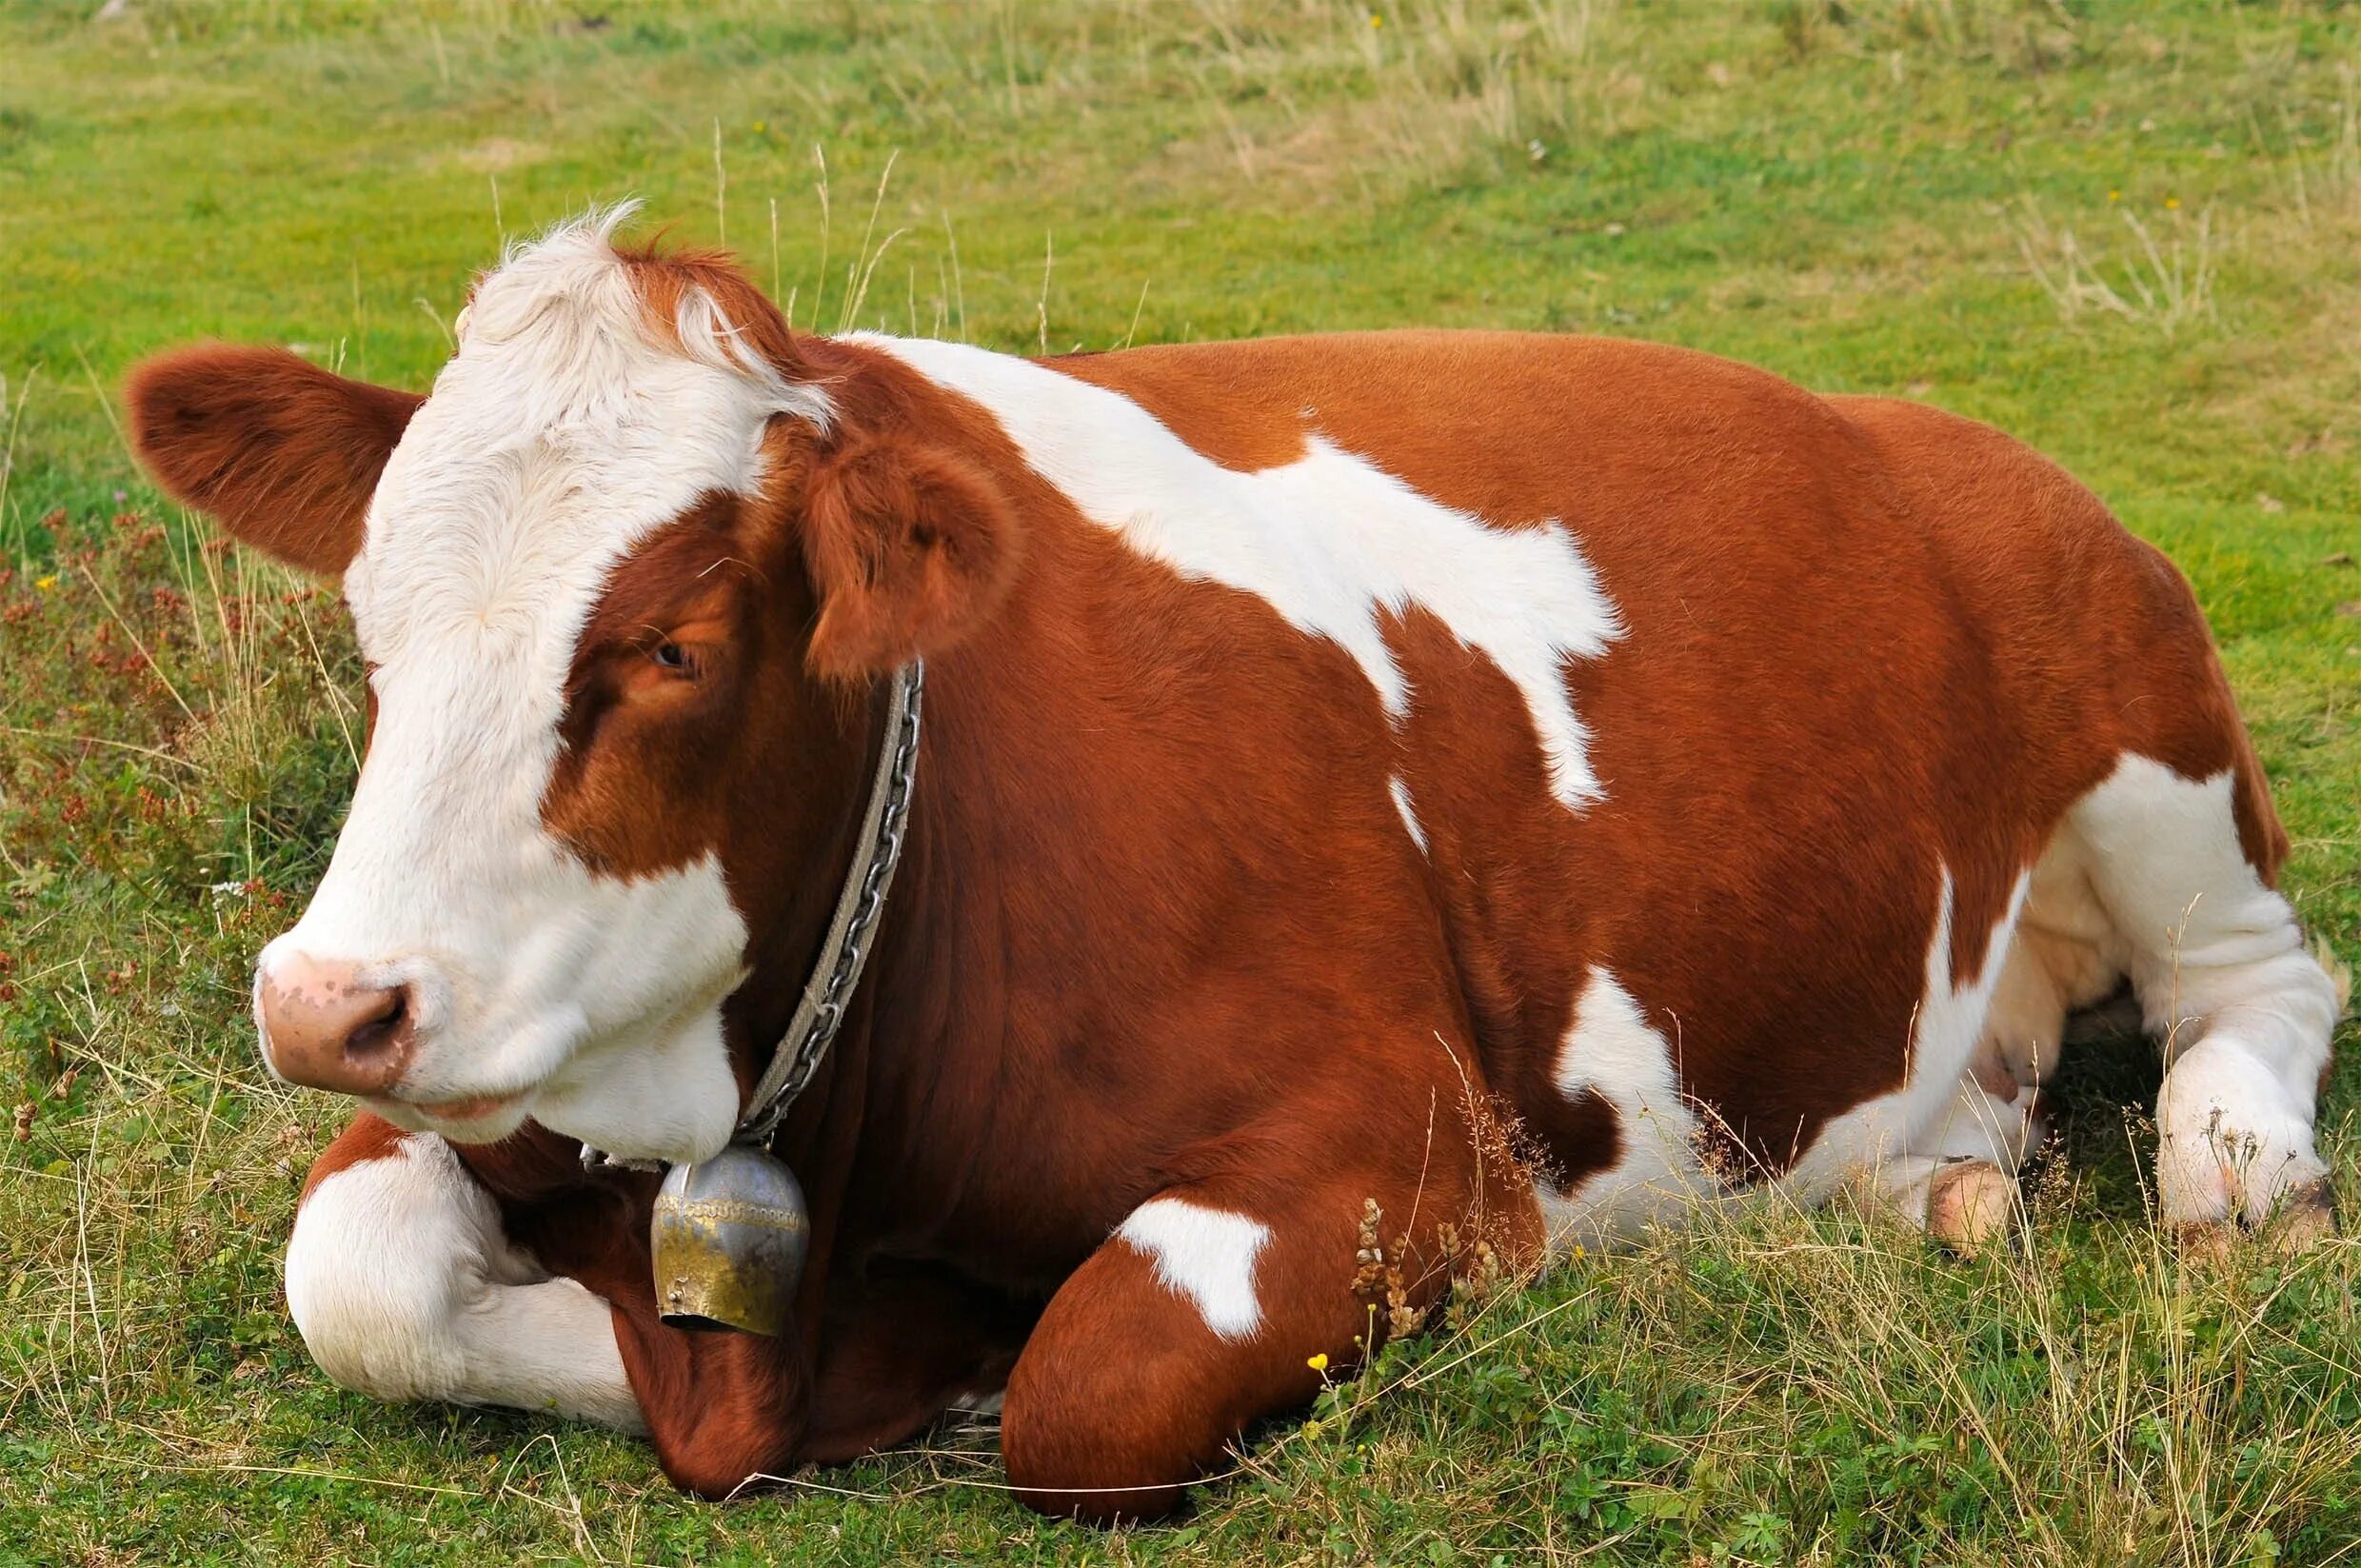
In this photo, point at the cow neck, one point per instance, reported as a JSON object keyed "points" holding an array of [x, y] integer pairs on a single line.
{"points": [[819, 1015], [836, 972]]}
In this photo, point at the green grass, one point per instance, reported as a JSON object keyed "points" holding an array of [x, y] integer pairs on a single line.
{"points": [[1868, 197]]}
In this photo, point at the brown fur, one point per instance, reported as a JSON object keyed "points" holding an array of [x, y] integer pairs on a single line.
{"points": [[1159, 929], [910, 547], [285, 455]]}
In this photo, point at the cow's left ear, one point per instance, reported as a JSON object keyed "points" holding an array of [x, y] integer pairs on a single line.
{"points": [[911, 547]]}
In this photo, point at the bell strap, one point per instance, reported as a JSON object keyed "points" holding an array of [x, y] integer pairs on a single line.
{"points": [[819, 1013], [837, 971]]}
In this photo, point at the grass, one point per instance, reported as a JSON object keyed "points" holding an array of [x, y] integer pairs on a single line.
{"points": [[2126, 232]]}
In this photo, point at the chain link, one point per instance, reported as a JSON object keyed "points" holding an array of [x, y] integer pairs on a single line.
{"points": [[826, 1016], [885, 854]]}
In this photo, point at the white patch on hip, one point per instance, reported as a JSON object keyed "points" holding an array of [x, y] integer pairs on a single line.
{"points": [[1944, 1034], [1328, 541], [1401, 792], [405, 1286], [561, 435], [1613, 1051], [1204, 1254]]}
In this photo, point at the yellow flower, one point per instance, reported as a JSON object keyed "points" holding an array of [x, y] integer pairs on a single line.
{"points": [[2172, 204], [761, 126], [1317, 1362], [1375, 20], [2115, 195], [45, 583]]}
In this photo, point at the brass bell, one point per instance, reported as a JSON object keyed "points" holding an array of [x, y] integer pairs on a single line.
{"points": [[728, 1239]]}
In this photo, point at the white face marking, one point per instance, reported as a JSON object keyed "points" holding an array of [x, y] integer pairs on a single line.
{"points": [[405, 1286], [559, 437], [1329, 541], [1206, 1255], [1401, 792], [1613, 1050]]}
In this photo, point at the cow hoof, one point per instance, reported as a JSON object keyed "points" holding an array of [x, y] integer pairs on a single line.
{"points": [[2207, 1243], [1972, 1206], [2306, 1217]]}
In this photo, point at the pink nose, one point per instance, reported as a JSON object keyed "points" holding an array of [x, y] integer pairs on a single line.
{"points": [[325, 1029]]}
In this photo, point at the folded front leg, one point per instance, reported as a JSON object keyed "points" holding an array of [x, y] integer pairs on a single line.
{"points": [[506, 1278], [724, 1409], [1225, 1299], [405, 1285]]}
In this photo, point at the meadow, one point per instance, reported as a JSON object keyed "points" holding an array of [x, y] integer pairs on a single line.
{"points": [[2128, 233]]}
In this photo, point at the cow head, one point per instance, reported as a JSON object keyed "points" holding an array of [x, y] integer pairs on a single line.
{"points": [[622, 581]]}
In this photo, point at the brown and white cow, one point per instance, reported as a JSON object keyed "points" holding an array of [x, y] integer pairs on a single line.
{"points": [[1331, 744]]}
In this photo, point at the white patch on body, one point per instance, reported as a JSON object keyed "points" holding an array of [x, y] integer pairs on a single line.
{"points": [[405, 1286], [559, 437], [2144, 878], [1613, 1051], [1331, 541], [1944, 1035], [1206, 1255], [1897, 1138], [1401, 792]]}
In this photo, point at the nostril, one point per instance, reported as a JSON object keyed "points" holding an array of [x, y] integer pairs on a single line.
{"points": [[379, 1036], [324, 1026]]}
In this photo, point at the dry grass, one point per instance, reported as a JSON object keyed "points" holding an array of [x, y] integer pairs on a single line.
{"points": [[1825, 189], [2167, 286]]}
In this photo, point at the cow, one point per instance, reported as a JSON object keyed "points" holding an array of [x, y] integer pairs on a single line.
{"points": [[1380, 806]]}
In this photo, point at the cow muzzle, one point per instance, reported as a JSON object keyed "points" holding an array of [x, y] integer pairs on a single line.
{"points": [[324, 1027]]}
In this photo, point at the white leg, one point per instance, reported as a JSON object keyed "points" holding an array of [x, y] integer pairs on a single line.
{"points": [[2061, 957], [1959, 1179], [405, 1286], [1957, 1175], [2223, 976]]}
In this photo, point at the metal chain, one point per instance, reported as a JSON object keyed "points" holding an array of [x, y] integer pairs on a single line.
{"points": [[822, 1014], [884, 855]]}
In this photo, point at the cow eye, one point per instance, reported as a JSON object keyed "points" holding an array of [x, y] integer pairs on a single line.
{"points": [[669, 655]]}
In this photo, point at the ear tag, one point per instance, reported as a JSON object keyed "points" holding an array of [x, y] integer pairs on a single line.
{"points": [[728, 1239]]}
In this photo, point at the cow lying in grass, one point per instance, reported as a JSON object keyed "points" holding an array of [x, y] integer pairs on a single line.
{"points": [[1331, 747]]}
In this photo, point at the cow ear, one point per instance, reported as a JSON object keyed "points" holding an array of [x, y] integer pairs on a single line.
{"points": [[282, 453], [911, 547]]}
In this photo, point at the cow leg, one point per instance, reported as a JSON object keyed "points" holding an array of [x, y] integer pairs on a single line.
{"points": [[1199, 1316], [721, 1409], [899, 1349], [2244, 1010], [879, 1348], [405, 1285], [890, 1355], [1960, 1181], [1958, 1177], [1204, 1312]]}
